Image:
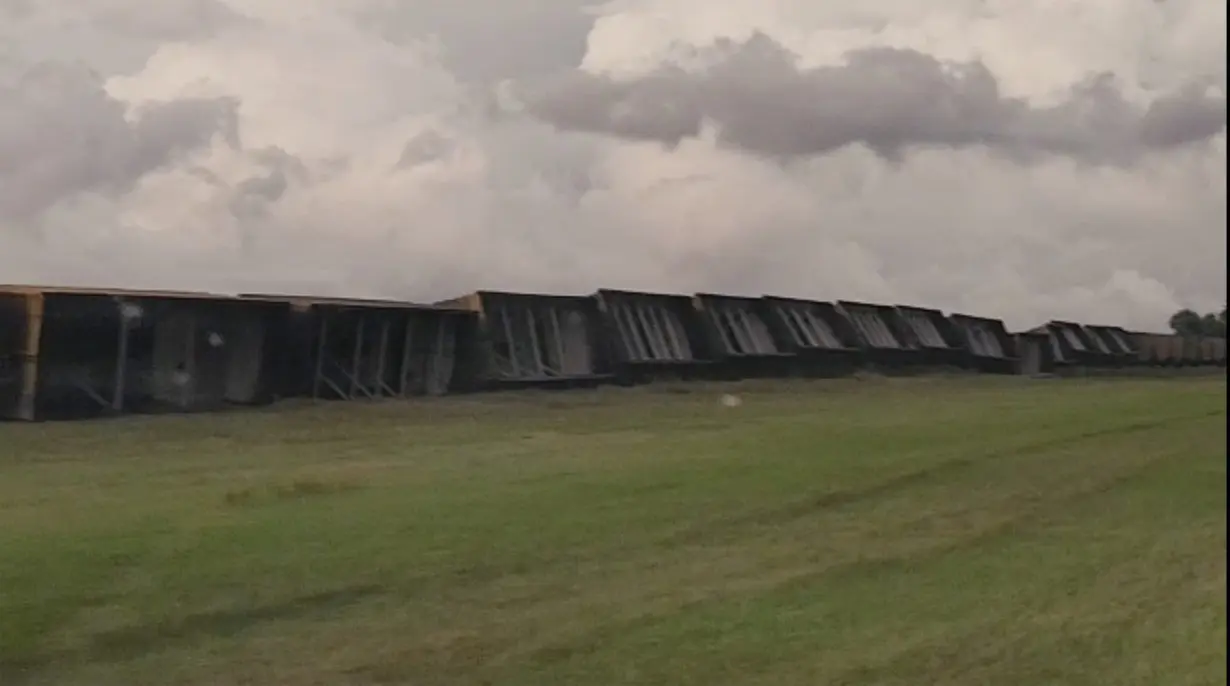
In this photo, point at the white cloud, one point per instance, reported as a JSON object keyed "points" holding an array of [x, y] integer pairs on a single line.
{"points": [[333, 186]]}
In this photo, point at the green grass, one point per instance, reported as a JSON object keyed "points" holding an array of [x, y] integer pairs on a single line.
{"points": [[926, 531]]}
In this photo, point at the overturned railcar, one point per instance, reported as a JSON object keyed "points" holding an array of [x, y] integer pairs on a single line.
{"points": [[879, 336], [1075, 347], [1102, 351], [823, 341], [1116, 343], [936, 340], [525, 340], [1057, 349], [990, 348], [1036, 352], [739, 335], [82, 352], [653, 336], [348, 349]]}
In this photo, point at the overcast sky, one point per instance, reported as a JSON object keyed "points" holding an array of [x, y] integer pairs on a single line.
{"points": [[1025, 159]]}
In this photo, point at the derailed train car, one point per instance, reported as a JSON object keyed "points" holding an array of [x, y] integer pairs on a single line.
{"points": [[932, 335], [1073, 346], [654, 336], [87, 352], [990, 348], [1036, 352], [525, 339], [902, 337], [351, 349], [1117, 343], [72, 353], [740, 337], [1100, 351], [823, 341], [883, 346]]}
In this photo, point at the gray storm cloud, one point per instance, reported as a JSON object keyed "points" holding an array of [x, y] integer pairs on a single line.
{"points": [[61, 134], [887, 99], [394, 149]]}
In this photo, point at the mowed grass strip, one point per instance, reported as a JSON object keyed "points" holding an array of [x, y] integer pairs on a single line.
{"points": [[924, 531]]}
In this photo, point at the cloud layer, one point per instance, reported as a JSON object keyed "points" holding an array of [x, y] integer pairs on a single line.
{"points": [[65, 136], [1027, 160], [887, 99]]}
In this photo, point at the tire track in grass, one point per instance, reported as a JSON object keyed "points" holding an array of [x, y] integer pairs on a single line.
{"points": [[897, 483], [575, 647], [565, 630]]}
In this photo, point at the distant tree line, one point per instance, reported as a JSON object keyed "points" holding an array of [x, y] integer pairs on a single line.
{"points": [[1195, 325]]}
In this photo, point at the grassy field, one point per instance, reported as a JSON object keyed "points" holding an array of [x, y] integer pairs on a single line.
{"points": [[925, 531]]}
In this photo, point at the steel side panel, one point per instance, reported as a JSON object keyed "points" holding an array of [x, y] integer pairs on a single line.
{"points": [[21, 326]]}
